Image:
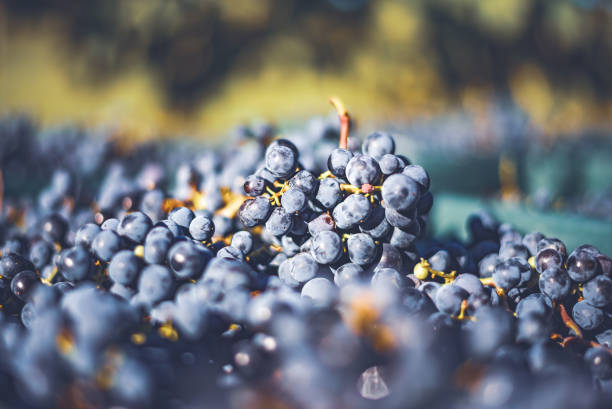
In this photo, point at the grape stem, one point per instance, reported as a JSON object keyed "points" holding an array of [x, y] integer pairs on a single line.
{"points": [[344, 121], [568, 321]]}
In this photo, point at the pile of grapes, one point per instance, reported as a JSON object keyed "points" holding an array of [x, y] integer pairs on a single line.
{"points": [[282, 273]]}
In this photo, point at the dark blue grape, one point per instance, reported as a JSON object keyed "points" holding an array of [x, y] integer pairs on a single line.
{"points": [[469, 283], [531, 241], [449, 297], [328, 193], [506, 275], [534, 303], [403, 239], [230, 252], [111, 224], [321, 291], [599, 361], [182, 216], [40, 254], [151, 204], [555, 283], [378, 144], [75, 264], [23, 283], [54, 228], [587, 316], [548, 258], [582, 265], [533, 328], [86, 234], [598, 291], [326, 247], [293, 200], [376, 225], [155, 283], [305, 181], [242, 240], [400, 192], [254, 185], [135, 226], [124, 267], [188, 260], [419, 175], [347, 273], [323, 222], [254, 211], [351, 211], [281, 158], [106, 244], [390, 164], [361, 249], [363, 169], [552, 243], [201, 228], [337, 162], [389, 278], [279, 222]]}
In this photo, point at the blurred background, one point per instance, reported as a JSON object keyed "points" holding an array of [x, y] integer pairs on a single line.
{"points": [[507, 101]]}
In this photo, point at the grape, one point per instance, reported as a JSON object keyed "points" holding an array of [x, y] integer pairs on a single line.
{"points": [[54, 228], [188, 260], [363, 169], [582, 265], [378, 144], [279, 222], [254, 211], [599, 361], [552, 243], [40, 254], [390, 164], [325, 277], [182, 216], [347, 273], [469, 283], [361, 249], [75, 264], [281, 158], [555, 283], [587, 316], [243, 240], [419, 175], [304, 181], [449, 298], [400, 192], [85, 235], [533, 328], [201, 228], [328, 194], [506, 275], [548, 258], [598, 291], [326, 247], [230, 252], [106, 244], [293, 200], [337, 162], [254, 185], [23, 283], [351, 211], [154, 284], [135, 226]]}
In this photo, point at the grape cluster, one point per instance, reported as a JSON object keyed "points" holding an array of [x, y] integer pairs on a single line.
{"points": [[279, 273]]}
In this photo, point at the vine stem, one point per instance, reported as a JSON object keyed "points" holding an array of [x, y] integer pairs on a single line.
{"points": [[344, 121]]}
